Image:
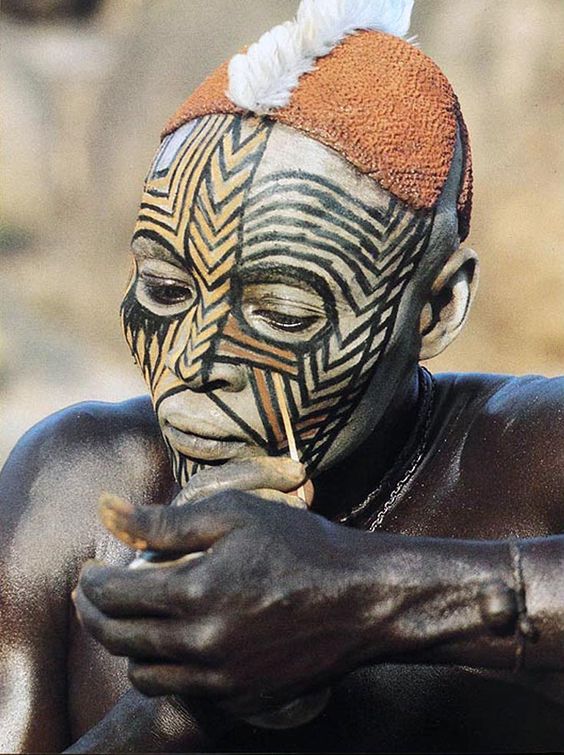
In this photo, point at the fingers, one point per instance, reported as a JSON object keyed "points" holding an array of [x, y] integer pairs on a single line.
{"points": [[145, 639], [119, 591], [154, 641], [169, 529], [273, 473], [162, 662], [172, 679], [177, 529]]}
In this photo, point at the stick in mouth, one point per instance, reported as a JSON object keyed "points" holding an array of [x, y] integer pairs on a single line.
{"points": [[292, 448]]}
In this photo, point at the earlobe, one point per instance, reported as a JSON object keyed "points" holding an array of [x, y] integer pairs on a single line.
{"points": [[447, 307]]}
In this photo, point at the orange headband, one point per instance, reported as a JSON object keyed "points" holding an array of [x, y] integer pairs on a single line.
{"points": [[380, 103]]}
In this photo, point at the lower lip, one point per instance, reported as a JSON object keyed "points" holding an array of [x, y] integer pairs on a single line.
{"points": [[203, 449]]}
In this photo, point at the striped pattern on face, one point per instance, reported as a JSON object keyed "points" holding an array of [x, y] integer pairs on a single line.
{"points": [[193, 207], [364, 256], [203, 203]]}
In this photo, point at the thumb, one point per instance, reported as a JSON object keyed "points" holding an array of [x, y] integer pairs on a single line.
{"points": [[161, 528]]}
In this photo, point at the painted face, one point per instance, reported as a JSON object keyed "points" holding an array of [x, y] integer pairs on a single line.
{"points": [[259, 253]]}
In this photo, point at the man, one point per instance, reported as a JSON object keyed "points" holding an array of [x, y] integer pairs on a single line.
{"points": [[297, 252]]}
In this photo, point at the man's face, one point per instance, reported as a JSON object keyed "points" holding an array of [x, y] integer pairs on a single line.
{"points": [[260, 253]]}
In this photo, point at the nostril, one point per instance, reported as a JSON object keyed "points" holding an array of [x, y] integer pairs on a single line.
{"points": [[206, 386], [219, 376], [233, 378]]}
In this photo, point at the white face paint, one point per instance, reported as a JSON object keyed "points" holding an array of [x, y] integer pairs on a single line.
{"points": [[259, 251]]}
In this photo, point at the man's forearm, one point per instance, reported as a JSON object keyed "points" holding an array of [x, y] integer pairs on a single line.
{"points": [[357, 597], [486, 604], [152, 724]]}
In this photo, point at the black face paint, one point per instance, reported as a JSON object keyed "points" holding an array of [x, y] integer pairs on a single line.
{"points": [[288, 274]]}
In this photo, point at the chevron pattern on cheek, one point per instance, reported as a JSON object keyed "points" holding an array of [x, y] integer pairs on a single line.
{"points": [[366, 255], [193, 207]]}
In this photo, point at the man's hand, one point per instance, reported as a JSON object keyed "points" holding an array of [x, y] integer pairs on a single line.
{"points": [[281, 601], [274, 606]]}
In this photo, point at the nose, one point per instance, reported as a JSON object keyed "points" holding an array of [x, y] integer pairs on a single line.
{"points": [[209, 374], [192, 357]]}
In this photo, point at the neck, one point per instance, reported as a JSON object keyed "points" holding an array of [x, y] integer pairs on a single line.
{"points": [[342, 487]]}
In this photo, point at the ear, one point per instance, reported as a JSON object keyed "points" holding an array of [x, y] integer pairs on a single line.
{"points": [[447, 307]]}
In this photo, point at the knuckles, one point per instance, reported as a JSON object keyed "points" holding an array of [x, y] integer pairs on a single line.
{"points": [[188, 586], [209, 642], [143, 677]]}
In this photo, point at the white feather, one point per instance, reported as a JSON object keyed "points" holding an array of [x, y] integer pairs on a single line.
{"points": [[264, 77]]}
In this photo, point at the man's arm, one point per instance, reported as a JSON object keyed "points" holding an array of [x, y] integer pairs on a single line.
{"points": [[48, 527], [38, 563], [322, 599]]}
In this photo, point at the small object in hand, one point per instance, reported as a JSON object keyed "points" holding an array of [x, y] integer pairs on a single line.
{"points": [[297, 712]]}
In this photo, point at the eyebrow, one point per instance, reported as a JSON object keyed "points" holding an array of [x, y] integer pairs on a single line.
{"points": [[272, 273], [145, 244], [290, 275]]}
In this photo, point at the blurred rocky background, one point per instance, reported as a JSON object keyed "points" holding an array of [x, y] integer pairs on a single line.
{"points": [[86, 87]]}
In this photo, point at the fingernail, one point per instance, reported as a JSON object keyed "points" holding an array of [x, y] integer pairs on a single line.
{"points": [[114, 510], [114, 504], [133, 542], [115, 514], [309, 491]]}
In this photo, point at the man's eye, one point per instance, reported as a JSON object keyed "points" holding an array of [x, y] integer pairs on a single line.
{"points": [[283, 321], [166, 292]]}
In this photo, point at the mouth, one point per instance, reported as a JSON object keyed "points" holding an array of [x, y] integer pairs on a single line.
{"points": [[204, 444]]}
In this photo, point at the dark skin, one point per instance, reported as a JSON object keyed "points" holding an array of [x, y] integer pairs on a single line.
{"points": [[67, 461]]}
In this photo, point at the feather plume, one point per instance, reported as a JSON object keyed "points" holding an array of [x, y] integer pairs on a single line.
{"points": [[264, 77]]}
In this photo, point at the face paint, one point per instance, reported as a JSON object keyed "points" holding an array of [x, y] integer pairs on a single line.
{"points": [[245, 270]]}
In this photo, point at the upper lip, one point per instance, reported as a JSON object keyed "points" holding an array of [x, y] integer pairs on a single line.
{"points": [[203, 441], [201, 429]]}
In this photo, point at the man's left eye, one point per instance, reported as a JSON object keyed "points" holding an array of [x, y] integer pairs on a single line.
{"points": [[284, 321]]}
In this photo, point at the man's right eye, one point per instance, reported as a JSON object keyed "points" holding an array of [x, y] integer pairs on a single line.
{"points": [[166, 292]]}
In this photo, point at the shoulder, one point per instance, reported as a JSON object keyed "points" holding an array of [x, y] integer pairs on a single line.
{"points": [[52, 480], [510, 403], [512, 431], [86, 438], [94, 422]]}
